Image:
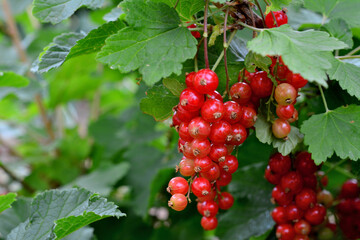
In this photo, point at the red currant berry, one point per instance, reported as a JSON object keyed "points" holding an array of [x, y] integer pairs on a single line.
{"points": [[279, 215], [200, 187], [285, 232], [239, 134], [301, 237], [241, 92], [292, 182], [296, 80], [208, 197], [205, 81], [247, 75], [220, 132], [178, 185], [261, 84], [196, 34], [208, 208], [294, 117], [233, 112], [325, 198], [230, 164], [184, 132], [304, 164], [306, 199], [310, 181], [248, 118], [272, 177], [202, 164], [323, 178], [224, 179], [200, 148], [285, 94], [280, 71], [189, 79], [281, 128], [218, 152], [185, 115], [209, 223], [285, 112], [316, 215], [294, 213], [302, 227], [187, 150], [213, 110], [280, 17], [175, 120], [191, 100], [350, 189], [199, 128], [186, 167], [279, 163], [281, 197], [226, 200], [213, 173], [215, 95], [230, 148], [345, 206], [178, 202]]}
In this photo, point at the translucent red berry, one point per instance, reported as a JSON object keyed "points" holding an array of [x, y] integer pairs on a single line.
{"points": [[184, 132], [241, 92], [272, 177], [200, 148], [281, 128], [205, 81], [226, 200], [304, 164], [218, 152], [202, 164], [220, 132], [296, 80], [281, 197], [189, 79], [316, 215], [209, 223], [302, 227], [350, 189], [199, 128], [186, 167], [279, 215], [325, 198], [285, 232], [178, 185], [191, 100], [239, 134], [285, 94], [233, 112], [292, 182], [200, 187], [306, 198], [224, 179], [185, 115], [196, 34], [261, 84], [294, 213], [249, 117], [208, 208], [279, 163], [230, 164], [213, 173], [280, 16], [285, 112], [178, 202], [213, 110], [214, 95]]}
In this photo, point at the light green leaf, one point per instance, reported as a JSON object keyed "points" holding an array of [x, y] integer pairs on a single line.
{"points": [[159, 103], [154, 43], [323, 6], [95, 40], [278, 4], [57, 213], [340, 30], [334, 131], [55, 54], [55, 11], [85, 233], [264, 134], [6, 201], [253, 60], [300, 51], [113, 15], [174, 86], [185, 8], [102, 179], [11, 79], [347, 75]]}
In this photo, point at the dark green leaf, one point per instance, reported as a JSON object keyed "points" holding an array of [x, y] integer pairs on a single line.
{"points": [[154, 43], [95, 40], [300, 51], [348, 76], [159, 103], [55, 11], [334, 131], [340, 30], [10, 79], [253, 60], [174, 86], [55, 214], [6, 201], [185, 8], [250, 216]]}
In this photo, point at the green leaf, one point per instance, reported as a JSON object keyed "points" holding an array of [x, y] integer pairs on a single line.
{"points": [[95, 40], [6, 201], [264, 134], [253, 60], [250, 215], [300, 51], [185, 8], [113, 15], [340, 30], [337, 9], [174, 86], [348, 76], [57, 213], [159, 103], [154, 43], [334, 131], [102, 179], [11, 79], [85, 233], [55, 54], [55, 11], [278, 4]]}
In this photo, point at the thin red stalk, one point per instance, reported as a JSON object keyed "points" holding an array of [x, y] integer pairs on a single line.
{"points": [[225, 48], [261, 12], [206, 35]]}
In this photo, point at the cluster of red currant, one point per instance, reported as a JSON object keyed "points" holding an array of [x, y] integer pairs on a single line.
{"points": [[208, 129], [349, 209], [302, 202]]}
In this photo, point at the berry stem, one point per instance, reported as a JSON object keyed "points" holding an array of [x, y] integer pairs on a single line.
{"points": [[335, 165], [250, 27], [340, 170], [176, 4], [353, 51], [261, 11], [267, 3], [323, 98], [222, 53], [227, 89], [196, 56], [348, 57], [273, 15], [206, 34], [269, 103], [201, 18]]}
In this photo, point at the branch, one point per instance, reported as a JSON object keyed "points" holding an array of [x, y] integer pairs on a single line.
{"points": [[206, 35]]}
